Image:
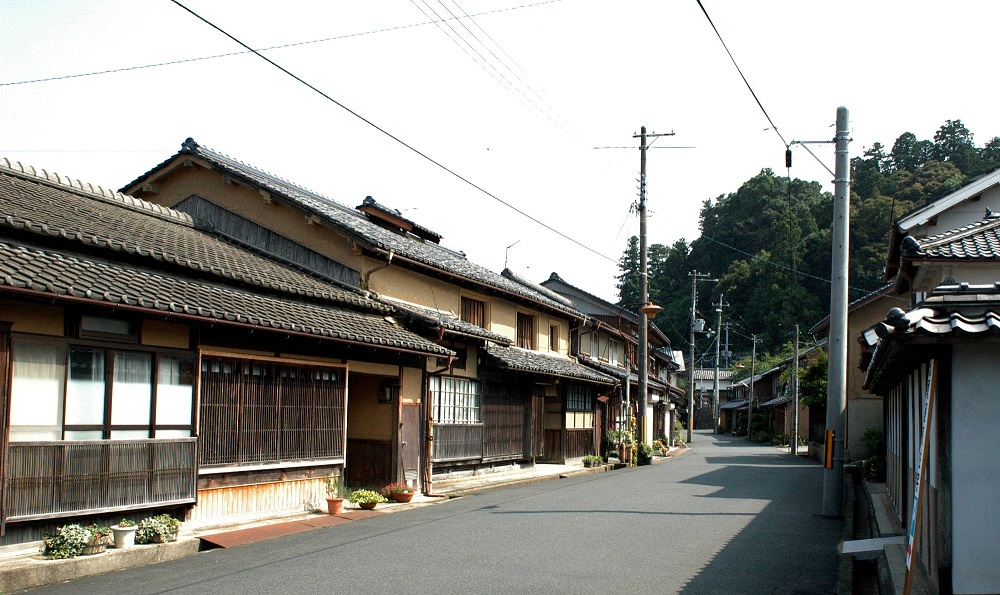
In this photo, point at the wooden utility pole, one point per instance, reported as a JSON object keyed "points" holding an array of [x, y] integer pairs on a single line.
{"points": [[645, 434]]}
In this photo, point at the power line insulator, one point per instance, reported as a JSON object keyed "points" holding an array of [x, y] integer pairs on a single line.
{"points": [[788, 158]]}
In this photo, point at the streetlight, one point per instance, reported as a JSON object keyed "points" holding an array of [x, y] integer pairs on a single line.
{"points": [[648, 310]]}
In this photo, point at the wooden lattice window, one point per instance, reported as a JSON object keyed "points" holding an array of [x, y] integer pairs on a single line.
{"points": [[474, 312], [267, 413], [525, 331], [456, 400]]}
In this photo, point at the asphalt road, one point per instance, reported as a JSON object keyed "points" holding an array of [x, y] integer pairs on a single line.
{"points": [[726, 517]]}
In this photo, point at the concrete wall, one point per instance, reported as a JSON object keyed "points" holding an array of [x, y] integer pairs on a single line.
{"points": [[975, 410]]}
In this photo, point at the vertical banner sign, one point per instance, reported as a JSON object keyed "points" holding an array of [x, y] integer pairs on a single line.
{"points": [[922, 464]]}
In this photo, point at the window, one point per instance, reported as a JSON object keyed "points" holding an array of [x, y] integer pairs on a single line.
{"points": [[613, 352], [106, 394], [455, 400], [579, 407], [595, 345], [525, 331], [474, 312], [256, 413], [553, 337]]}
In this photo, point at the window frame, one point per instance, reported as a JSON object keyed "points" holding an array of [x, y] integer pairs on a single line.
{"points": [[66, 345], [527, 336], [474, 311], [446, 407]]}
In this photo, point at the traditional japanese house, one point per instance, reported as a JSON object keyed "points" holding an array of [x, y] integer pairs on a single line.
{"points": [[934, 364], [608, 342], [152, 364], [484, 408]]}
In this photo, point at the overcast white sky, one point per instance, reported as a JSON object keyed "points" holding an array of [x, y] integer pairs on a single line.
{"points": [[560, 78]]}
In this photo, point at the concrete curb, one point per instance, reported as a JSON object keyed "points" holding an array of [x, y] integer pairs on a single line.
{"points": [[34, 571]]}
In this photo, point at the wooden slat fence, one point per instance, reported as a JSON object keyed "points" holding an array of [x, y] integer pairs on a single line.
{"points": [[455, 442], [65, 478], [579, 443]]}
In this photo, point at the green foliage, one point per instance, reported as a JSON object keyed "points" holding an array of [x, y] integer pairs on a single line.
{"points": [[157, 529], [336, 488], [67, 542], [769, 242], [361, 496], [812, 382], [644, 453], [679, 432], [592, 460]]}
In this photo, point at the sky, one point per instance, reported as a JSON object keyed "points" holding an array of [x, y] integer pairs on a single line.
{"points": [[517, 144]]}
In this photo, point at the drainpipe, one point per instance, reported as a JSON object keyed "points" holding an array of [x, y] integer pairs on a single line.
{"points": [[368, 274]]}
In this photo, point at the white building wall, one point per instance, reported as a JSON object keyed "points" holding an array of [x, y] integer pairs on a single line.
{"points": [[975, 409]]}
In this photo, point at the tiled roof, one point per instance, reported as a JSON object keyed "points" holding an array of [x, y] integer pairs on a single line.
{"points": [[619, 373], [32, 269], [66, 210], [980, 240], [356, 224], [452, 324], [523, 360], [950, 313], [709, 374], [734, 404]]}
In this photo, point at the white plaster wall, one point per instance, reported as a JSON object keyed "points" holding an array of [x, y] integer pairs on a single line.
{"points": [[975, 442]]}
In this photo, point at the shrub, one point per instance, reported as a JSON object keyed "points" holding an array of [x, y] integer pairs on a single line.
{"points": [[157, 529], [68, 542]]}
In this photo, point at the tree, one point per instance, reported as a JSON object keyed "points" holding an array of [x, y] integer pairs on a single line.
{"points": [[812, 382], [953, 143], [628, 279], [908, 153]]}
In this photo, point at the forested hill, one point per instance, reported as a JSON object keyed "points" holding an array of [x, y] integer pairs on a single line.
{"points": [[769, 242]]}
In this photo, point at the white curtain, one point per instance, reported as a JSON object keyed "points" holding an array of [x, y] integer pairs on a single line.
{"points": [[174, 392], [85, 390], [132, 389], [36, 406]]}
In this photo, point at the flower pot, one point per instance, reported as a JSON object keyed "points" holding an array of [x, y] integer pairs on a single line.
{"points": [[402, 496], [335, 505], [124, 536], [367, 505], [96, 545]]}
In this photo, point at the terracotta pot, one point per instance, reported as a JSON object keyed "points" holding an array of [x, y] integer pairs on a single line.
{"points": [[402, 496], [367, 505], [335, 505]]}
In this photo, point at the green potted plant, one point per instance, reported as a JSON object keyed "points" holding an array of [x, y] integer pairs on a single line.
{"points": [[336, 493], [69, 541], [644, 454], [592, 461], [367, 499], [398, 491], [124, 533], [157, 529], [100, 538]]}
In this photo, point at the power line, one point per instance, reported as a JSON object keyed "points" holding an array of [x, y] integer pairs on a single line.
{"points": [[392, 136], [745, 81], [265, 49]]}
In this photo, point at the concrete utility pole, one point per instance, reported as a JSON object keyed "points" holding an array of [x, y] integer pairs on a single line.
{"points": [[642, 401], [718, 352], [695, 277], [793, 438], [836, 400], [753, 372]]}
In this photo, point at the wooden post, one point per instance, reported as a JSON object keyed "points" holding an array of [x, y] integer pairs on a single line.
{"points": [[915, 518]]}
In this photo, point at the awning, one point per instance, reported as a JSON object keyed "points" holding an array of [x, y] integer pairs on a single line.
{"points": [[561, 366]]}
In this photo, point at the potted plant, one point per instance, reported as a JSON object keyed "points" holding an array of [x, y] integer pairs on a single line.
{"points": [[69, 541], [124, 533], [644, 454], [157, 529], [367, 499], [398, 491], [100, 538], [336, 492], [592, 461]]}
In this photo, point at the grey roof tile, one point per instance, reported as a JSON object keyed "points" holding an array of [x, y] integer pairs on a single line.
{"points": [[523, 360], [449, 322], [980, 240], [62, 273], [61, 208], [356, 224]]}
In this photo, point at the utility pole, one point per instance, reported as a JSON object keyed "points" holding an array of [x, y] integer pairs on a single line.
{"points": [[643, 398], [836, 400], [715, 388], [793, 438], [753, 372], [695, 277]]}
